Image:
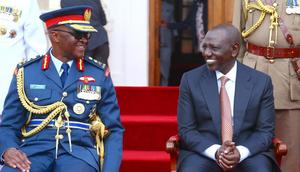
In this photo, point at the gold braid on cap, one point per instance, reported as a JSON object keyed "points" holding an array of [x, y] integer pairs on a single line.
{"points": [[54, 109], [265, 9]]}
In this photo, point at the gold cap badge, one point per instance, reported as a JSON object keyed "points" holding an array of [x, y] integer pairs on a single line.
{"points": [[87, 14]]}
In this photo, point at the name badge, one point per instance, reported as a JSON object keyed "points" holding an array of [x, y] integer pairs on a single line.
{"points": [[37, 87]]}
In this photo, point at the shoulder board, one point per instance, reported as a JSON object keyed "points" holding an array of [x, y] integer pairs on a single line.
{"points": [[29, 61], [95, 62]]}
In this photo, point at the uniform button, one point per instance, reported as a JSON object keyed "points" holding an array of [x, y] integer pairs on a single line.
{"points": [[87, 102], [65, 94], [36, 99], [23, 140]]}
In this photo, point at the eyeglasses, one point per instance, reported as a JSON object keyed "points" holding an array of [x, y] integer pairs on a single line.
{"points": [[77, 35]]}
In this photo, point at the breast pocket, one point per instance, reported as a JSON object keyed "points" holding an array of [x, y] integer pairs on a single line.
{"points": [[39, 96], [83, 106]]}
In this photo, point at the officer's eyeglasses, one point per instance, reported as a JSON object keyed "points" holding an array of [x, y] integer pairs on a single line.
{"points": [[76, 35]]}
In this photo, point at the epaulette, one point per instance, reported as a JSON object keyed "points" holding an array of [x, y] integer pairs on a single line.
{"points": [[96, 63], [29, 61]]}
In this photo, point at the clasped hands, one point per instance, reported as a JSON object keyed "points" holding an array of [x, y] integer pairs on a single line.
{"points": [[227, 156]]}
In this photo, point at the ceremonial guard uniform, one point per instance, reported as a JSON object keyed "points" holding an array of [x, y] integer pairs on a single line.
{"points": [[21, 36], [57, 122], [271, 31]]}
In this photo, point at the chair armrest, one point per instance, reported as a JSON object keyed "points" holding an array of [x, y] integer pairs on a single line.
{"points": [[172, 144], [172, 147], [280, 149]]}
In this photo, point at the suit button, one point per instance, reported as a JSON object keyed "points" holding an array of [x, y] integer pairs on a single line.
{"points": [[36, 99], [65, 94]]}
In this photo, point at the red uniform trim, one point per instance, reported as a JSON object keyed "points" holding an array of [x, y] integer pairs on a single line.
{"points": [[46, 61], [56, 20], [80, 65]]}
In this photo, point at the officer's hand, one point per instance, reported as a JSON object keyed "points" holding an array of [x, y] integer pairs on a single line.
{"points": [[16, 159]]}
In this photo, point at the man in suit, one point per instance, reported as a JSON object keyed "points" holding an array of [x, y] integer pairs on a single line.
{"points": [[98, 46], [241, 141], [61, 111], [272, 46]]}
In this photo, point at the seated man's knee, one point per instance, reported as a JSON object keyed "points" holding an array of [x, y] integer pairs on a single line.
{"points": [[258, 163], [198, 163]]}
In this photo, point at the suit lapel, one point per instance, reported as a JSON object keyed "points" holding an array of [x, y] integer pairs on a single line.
{"points": [[210, 91], [73, 75], [243, 89], [52, 74]]}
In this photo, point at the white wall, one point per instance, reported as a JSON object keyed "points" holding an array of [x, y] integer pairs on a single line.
{"points": [[128, 30]]}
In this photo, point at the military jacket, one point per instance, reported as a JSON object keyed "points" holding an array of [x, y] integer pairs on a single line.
{"points": [[87, 85], [284, 79]]}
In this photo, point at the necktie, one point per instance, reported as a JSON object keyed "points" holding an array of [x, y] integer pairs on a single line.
{"points": [[227, 129], [64, 75]]}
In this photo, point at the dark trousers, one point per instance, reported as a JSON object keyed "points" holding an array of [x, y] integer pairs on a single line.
{"points": [[198, 163], [46, 162]]}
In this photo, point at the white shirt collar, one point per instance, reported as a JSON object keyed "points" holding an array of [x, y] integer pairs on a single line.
{"points": [[231, 75], [58, 63]]}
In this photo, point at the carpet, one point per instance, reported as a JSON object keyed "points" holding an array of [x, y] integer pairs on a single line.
{"points": [[148, 115]]}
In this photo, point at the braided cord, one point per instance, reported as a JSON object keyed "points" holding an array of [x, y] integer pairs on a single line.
{"points": [[265, 9], [55, 108]]}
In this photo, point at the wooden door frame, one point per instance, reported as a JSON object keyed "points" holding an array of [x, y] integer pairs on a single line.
{"points": [[219, 11], [154, 24]]}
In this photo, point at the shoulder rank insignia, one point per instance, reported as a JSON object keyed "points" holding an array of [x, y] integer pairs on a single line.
{"points": [[96, 62], [28, 61]]}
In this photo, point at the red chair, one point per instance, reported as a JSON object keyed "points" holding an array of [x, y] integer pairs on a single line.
{"points": [[172, 147]]}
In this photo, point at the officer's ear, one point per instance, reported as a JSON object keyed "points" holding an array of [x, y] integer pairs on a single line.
{"points": [[53, 35]]}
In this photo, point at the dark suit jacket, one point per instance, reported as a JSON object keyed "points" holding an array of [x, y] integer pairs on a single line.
{"points": [[199, 116], [98, 20]]}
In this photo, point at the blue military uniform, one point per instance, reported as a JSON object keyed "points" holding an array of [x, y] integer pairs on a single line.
{"points": [[88, 87]]}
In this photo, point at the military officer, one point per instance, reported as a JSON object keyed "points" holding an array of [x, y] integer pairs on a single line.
{"points": [[61, 111], [21, 36], [271, 31]]}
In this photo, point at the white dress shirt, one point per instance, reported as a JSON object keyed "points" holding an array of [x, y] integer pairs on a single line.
{"points": [[58, 63], [230, 88]]}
